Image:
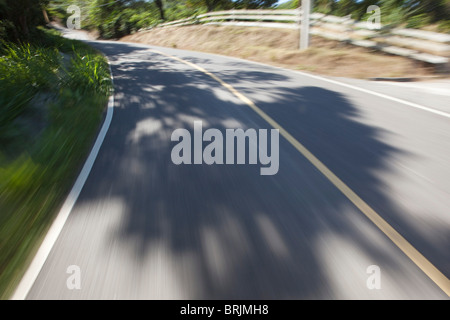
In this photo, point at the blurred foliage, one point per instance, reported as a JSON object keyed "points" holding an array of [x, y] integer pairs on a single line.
{"points": [[24, 70], [53, 92], [444, 26], [411, 13], [418, 21], [115, 19], [18, 18]]}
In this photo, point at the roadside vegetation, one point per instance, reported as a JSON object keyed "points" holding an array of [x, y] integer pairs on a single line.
{"points": [[53, 92], [115, 19], [433, 15]]}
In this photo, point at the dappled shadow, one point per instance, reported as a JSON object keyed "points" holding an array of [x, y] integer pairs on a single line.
{"points": [[234, 233]]}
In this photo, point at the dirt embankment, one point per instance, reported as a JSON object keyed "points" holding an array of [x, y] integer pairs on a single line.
{"points": [[279, 47]]}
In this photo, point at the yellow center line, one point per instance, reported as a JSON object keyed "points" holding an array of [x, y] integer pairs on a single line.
{"points": [[426, 266]]}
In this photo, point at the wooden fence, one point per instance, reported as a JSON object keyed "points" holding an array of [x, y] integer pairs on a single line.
{"points": [[430, 47]]}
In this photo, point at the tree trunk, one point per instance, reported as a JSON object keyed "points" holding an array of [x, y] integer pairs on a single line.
{"points": [[159, 4], [23, 25]]}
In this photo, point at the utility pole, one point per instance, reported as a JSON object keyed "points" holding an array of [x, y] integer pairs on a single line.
{"points": [[304, 29]]}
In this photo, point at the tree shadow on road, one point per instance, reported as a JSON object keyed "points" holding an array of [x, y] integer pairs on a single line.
{"points": [[229, 232]]}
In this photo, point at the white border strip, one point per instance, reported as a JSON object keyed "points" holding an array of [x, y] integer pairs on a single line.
{"points": [[52, 235]]}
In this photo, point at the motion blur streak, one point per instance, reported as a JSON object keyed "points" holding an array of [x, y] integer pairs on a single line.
{"points": [[144, 228]]}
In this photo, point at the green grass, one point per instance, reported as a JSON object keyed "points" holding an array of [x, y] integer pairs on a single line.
{"points": [[52, 97]]}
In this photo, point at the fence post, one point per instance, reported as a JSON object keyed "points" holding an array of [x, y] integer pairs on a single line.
{"points": [[304, 29]]}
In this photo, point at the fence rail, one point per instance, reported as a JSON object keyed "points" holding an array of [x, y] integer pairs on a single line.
{"points": [[430, 47]]}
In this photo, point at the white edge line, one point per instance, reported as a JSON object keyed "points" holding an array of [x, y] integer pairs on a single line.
{"points": [[382, 95], [39, 259]]}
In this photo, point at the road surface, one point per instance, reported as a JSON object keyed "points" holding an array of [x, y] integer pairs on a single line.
{"points": [[145, 228]]}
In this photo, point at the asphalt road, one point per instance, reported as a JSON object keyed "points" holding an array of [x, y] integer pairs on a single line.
{"points": [[144, 228]]}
